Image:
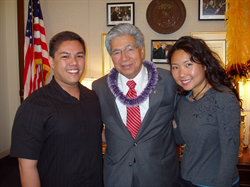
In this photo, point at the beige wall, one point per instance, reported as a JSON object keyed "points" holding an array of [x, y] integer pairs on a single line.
{"points": [[85, 17], [88, 18], [9, 74]]}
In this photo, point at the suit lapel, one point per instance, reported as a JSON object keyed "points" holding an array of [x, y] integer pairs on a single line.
{"points": [[155, 99], [115, 112]]}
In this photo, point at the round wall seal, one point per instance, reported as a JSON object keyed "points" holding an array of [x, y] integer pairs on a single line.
{"points": [[166, 16]]}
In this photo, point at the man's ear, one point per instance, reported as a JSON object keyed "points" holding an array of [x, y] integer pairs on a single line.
{"points": [[142, 51], [51, 62]]}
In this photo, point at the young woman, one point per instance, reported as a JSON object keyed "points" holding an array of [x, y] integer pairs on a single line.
{"points": [[207, 116]]}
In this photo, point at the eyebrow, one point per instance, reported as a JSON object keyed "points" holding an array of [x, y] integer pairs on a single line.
{"points": [[63, 53], [69, 53], [81, 53], [188, 60]]}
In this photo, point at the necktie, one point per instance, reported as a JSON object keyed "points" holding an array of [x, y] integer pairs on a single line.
{"points": [[133, 113]]}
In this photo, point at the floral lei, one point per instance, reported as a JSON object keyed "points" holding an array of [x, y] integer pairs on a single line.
{"points": [[153, 78]]}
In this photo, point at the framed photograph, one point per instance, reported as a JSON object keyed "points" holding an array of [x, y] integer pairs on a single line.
{"points": [[159, 50], [212, 9], [215, 40], [219, 47], [120, 13], [107, 63]]}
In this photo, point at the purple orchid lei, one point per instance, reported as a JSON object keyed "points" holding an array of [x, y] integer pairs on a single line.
{"points": [[153, 78]]}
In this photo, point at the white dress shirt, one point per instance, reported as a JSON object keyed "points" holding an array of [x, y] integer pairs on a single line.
{"points": [[141, 81]]}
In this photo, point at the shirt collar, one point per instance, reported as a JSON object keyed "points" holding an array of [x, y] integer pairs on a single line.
{"points": [[62, 94], [139, 79]]}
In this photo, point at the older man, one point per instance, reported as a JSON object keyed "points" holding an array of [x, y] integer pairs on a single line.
{"points": [[137, 104]]}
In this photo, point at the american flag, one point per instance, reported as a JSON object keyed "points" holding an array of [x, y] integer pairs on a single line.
{"points": [[36, 64]]}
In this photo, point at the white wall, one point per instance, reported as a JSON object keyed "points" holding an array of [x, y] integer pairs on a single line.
{"points": [[88, 19], [9, 72]]}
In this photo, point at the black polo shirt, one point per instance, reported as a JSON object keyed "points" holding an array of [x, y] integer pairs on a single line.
{"points": [[63, 134]]}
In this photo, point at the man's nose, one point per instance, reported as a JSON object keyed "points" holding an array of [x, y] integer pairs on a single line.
{"points": [[124, 56], [74, 61]]}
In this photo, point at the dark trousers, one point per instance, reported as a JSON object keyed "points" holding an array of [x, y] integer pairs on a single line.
{"points": [[185, 183]]}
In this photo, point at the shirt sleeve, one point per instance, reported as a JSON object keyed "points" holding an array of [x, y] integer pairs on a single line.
{"points": [[27, 132], [228, 115]]}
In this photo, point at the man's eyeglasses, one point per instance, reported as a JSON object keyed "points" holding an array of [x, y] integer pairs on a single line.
{"points": [[129, 51]]}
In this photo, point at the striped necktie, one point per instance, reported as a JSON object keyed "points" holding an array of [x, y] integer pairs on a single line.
{"points": [[133, 113]]}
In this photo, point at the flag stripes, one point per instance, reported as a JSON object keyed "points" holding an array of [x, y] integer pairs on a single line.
{"points": [[36, 65]]}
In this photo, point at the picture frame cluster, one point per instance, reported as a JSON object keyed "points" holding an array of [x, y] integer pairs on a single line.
{"points": [[208, 10]]}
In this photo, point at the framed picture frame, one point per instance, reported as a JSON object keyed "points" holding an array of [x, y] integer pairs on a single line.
{"points": [[215, 40], [159, 50], [212, 10], [107, 63], [219, 47], [120, 13]]}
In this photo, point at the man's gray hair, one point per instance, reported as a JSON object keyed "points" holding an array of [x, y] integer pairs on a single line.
{"points": [[123, 29]]}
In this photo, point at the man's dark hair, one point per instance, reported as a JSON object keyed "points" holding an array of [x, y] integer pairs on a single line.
{"points": [[56, 41]]}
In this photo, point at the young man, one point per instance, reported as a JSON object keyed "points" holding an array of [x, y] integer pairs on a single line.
{"points": [[141, 150], [57, 130]]}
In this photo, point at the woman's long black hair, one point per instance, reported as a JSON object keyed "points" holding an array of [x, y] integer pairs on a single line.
{"points": [[200, 53]]}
